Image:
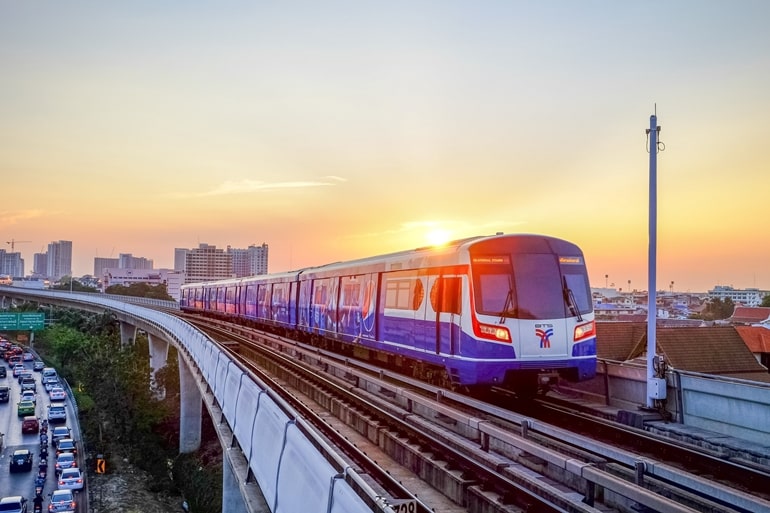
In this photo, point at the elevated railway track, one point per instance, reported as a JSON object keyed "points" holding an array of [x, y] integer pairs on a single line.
{"points": [[481, 455]]}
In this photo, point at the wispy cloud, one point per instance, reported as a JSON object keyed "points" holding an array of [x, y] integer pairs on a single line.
{"points": [[453, 227], [8, 218], [246, 186]]}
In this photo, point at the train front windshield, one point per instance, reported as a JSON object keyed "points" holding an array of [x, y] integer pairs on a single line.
{"points": [[531, 286]]}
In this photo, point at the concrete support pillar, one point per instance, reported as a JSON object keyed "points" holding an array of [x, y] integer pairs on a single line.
{"points": [[127, 333], [232, 499], [190, 410], [158, 357]]}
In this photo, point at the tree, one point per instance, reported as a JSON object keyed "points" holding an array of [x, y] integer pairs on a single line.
{"points": [[765, 301], [717, 309], [141, 290]]}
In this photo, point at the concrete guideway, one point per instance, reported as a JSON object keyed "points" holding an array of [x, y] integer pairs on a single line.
{"points": [[260, 424]]}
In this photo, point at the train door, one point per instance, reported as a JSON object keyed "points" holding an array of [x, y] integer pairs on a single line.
{"points": [[446, 303], [293, 295]]}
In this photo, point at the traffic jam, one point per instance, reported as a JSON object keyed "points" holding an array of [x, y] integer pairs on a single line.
{"points": [[43, 444]]}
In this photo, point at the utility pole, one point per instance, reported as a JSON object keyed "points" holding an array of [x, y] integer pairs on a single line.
{"points": [[656, 387]]}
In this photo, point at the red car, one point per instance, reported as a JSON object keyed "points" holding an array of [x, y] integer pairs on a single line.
{"points": [[30, 424]]}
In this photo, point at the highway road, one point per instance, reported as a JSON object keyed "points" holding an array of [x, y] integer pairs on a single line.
{"points": [[23, 483]]}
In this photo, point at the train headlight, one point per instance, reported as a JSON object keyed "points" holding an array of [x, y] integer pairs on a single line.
{"points": [[496, 333], [584, 331]]}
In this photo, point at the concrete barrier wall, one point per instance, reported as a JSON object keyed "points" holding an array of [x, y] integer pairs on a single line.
{"points": [[728, 406], [732, 407]]}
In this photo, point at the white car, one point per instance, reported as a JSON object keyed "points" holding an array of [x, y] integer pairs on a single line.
{"points": [[29, 395], [70, 479], [57, 394], [57, 413], [51, 382], [62, 501]]}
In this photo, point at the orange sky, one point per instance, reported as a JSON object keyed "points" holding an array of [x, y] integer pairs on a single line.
{"points": [[339, 131]]}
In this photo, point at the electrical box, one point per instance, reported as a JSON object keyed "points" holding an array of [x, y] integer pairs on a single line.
{"points": [[656, 388]]}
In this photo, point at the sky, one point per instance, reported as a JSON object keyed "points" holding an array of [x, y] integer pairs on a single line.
{"points": [[338, 130]]}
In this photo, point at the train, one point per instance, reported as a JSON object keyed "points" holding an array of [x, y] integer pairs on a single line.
{"points": [[505, 310]]}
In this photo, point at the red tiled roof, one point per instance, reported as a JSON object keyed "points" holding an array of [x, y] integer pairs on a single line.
{"points": [[716, 350], [757, 338], [750, 314], [616, 340], [709, 350]]}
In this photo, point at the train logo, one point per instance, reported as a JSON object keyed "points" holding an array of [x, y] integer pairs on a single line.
{"points": [[545, 337], [368, 310]]}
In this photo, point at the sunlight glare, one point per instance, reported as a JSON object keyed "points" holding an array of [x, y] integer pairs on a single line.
{"points": [[438, 237]]}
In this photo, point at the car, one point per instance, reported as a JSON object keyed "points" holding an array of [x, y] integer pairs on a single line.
{"points": [[21, 461], [50, 382], [5, 394], [58, 433], [18, 368], [27, 356], [13, 359], [30, 424], [65, 460], [38, 365], [70, 479], [49, 372], [24, 408], [13, 504], [26, 373], [67, 445], [29, 395], [57, 413], [62, 501], [28, 384], [57, 394], [3, 371]]}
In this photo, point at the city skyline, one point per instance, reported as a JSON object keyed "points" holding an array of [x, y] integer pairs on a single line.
{"points": [[337, 131]]}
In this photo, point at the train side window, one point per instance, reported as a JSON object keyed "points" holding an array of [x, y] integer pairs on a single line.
{"points": [[406, 294], [445, 295]]}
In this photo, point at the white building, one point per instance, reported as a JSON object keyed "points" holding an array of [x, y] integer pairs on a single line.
{"points": [[745, 297], [173, 280]]}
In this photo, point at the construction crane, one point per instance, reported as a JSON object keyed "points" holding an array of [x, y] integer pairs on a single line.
{"points": [[13, 243]]}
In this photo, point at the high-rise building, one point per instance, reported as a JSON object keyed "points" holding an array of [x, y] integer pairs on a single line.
{"points": [[250, 261], [129, 261], [241, 261], [180, 254], [40, 265], [11, 264], [102, 263], [207, 263], [258, 257], [59, 262]]}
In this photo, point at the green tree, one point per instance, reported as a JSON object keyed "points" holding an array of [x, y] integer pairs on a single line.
{"points": [[765, 301], [717, 309], [120, 412], [141, 290]]}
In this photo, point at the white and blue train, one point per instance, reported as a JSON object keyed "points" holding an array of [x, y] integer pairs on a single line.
{"points": [[506, 310]]}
